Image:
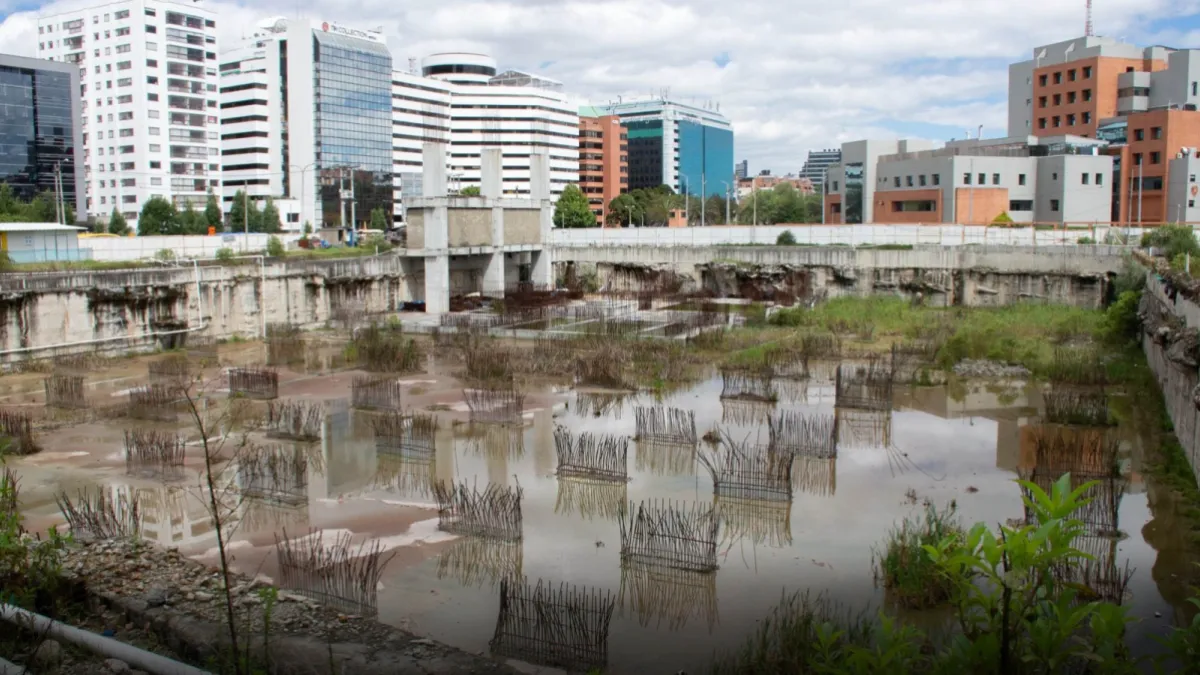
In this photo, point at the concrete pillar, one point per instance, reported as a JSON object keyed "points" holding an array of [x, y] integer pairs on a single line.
{"points": [[542, 273], [539, 176], [437, 284], [491, 171], [493, 275], [433, 161]]}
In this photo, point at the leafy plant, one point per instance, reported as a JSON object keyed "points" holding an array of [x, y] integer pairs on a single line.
{"points": [[910, 576], [1174, 240], [785, 238], [274, 247], [164, 255], [225, 254]]}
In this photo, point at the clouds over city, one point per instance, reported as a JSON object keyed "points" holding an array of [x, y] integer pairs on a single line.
{"points": [[792, 76]]}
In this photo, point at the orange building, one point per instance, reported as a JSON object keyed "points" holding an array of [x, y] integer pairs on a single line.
{"points": [[603, 160], [1072, 97]]}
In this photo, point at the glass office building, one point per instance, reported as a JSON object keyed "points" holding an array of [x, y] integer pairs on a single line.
{"points": [[39, 109], [705, 159], [352, 97]]}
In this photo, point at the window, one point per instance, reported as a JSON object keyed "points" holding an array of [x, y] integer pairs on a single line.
{"points": [[1041, 101], [127, 166], [151, 46], [155, 148], [1058, 78], [1071, 120], [1087, 94], [1191, 203], [124, 65], [152, 114], [1054, 205], [123, 49], [1041, 80], [151, 29], [896, 181], [1137, 159], [1058, 99], [966, 179], [128, 199], [95, 19], [151, 63], [123, 14], [908, 181], [1087, 72], [995, 179], [1083, 178], [921, 180], [1054, 176], [1194, 91], [1099, 179], [155, 165], [1156, 157], [1071, 75], [1041, 122], [1192, 178], [151, 97], [150, 12], [1139, 134], [151, 79], [126, 133], [1057, 121], [1087, 117], [1020, 179], [125, 82], [155, 180], [937, 178], [1156, 133], [126, 149], [127, 98], [154, 131], [1020, 205], [1070, 97], [983, 179]]}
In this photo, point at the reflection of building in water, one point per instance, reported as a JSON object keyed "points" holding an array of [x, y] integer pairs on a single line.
{"points": [[746, 413], [543, 442], [756, 521], [1092, 441], [815, 476], [474, 561], [971, 399], [592, 498], [411, 477], [863, 428], [172, 516], [277, 474], [659, 595], [348, 456], [564, 627], [672, 459], [257, 516]]}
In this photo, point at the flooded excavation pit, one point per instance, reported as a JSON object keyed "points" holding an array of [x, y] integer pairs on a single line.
{"points": [[538, 513]]}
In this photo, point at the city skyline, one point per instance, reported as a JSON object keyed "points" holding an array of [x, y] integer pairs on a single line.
{"points": [[786, 96]]}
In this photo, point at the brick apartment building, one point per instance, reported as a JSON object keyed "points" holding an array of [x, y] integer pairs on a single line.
{"points": [[603, 160]]}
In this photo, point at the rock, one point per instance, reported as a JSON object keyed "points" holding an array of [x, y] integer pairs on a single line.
{"points": [[116, 666], [47, 656], [201, 596], [423, 641], [156, 596]]}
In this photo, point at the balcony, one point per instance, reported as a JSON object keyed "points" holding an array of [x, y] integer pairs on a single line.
{"points": [[183, 152], [181, 103], [184, 70], [185, 120], [177, 19]]}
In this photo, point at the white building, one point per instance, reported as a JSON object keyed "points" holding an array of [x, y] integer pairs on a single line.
{"points": [[307, 119], [148, 73]]}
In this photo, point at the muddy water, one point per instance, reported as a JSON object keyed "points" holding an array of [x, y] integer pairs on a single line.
{"points": [[963, 444]]}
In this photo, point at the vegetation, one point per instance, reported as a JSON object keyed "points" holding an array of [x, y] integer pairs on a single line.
{"points": [[470, 191], [1003, 220], [40, 209], [781, 204], [117, 224], [910, 576], [225, 254], [1175, 241], [379, 220], [573, 210], [159, 216], [785, 238], [275, 247], [244, 215], [212, 212], [269, 221]]}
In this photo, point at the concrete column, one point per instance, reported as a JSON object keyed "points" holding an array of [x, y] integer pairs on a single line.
{"points": [[493, 275], [433, 164], [542, 273], [491, 184], [437, 284], [539, 176]]}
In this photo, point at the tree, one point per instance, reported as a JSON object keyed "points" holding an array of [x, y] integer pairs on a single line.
{"points": [[572, 209], [244, 214], [212, 212], [158, 217], [274, 247], [117, 224], [378, 219], [470, 191], [623, 209], [785, 238], [40, 209], [269, 220], [307, 228], [191, 221]]}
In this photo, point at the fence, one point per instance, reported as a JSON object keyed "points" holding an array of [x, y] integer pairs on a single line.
{"points": [[843, 235], [181, 246]]}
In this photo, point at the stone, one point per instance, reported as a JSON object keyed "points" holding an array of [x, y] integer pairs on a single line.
{"points": [[156, 596], [47, 656], [116, 667], [201, 596]]}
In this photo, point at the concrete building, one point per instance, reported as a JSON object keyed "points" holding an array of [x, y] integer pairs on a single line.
{"points": [[686, 147], [148, 79], [766, 182], [40, 133], [741, 170], [1183, 192], [850, 185], [420, 115], [603, 160], [1063, 180], [817, 163], [463, 244], [306, 118], [40, 242]]}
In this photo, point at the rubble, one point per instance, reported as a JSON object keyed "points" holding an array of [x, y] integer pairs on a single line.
{"points": [[982, 368]]}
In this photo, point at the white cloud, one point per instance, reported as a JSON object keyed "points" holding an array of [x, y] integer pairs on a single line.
{"points": [[802, 75]]}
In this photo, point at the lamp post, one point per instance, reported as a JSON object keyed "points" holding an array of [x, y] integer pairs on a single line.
{"points": [[727, 192], [303, 184], [687, 202]]}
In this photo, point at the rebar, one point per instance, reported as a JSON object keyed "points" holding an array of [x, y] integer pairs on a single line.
{"points": [[500, 403], [486, 361], [666, 459], [672, 536], [154, 453], [154, 402], [803, 435], [593, 499], [658, 595], [756, 521], [741, 470], [376, 393], [410, 436], [748, 384], [594, 456], [274, 474], [285, 344], [494, 513], [405, 475], [172, 371], [815, 476], [16, 433], [496, 441], [10, 500], [564, 627], [1080, 408], [665, 426], [745, 413], [255, 383], [100, 513], [474, 561], [295, 420], [864, 387], [65, 391], [384, 350], [599, 404], [863, 428], [337, 575]]}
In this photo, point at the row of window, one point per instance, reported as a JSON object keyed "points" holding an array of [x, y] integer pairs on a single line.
{"points": [[1057, 120], [1072, 75], [1071, 97], [979, 179]]}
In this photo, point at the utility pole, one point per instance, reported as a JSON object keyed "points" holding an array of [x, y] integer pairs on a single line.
{"points": [[1141, 189], [754, 197], [703, 197], [57, 199], [342, 193], [353, 203]]}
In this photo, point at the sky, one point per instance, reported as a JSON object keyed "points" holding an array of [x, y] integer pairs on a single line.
{"points": [[792, 76]]}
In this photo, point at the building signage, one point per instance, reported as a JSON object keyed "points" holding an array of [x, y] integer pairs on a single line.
{"points": [[1113, 133], [330, 27]]}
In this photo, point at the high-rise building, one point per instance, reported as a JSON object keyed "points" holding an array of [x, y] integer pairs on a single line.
{"points": [[148, 79], [40, 137], [603, 160], [306, 118], [817, 163], [682, 146], [742, 170]]}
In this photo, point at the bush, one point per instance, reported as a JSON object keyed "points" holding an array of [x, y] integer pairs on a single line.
{"points": [[1085, 240], [1121, 323], [785, 238], [1003, 220], [165, 255], [225, 254], [911, 578], [1174, 240], [274, 247]]}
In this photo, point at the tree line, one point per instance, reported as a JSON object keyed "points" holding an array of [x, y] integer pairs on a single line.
{"points": [[652, 207], [160, 216], [40, 209]]}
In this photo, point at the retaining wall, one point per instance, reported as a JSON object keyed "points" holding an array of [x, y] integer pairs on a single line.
{"points": [[1172, 358]]}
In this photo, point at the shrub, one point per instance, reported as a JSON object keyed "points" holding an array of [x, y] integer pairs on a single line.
{"points": [[910, 576], [274, 247], [165, 255], [1085, 240], [1174, 240], [1121, 323], [785, 238], [225, 254], [1003, 220]]}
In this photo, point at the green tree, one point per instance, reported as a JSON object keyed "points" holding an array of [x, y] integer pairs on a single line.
{"points": [[269, 220], [212, 212], [379, 219], [470, 191], [117, 224], [623, 209], [785, 238], [274, 247], [191, 221], [158, 217], [307, 228], [244, 214], [572, 209]]}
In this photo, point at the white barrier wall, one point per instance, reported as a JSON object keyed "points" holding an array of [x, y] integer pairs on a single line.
{"points": [[824, 235], [183, 246]]}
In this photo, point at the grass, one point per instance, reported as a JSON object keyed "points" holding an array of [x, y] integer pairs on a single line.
{"points": [[911, 579]]}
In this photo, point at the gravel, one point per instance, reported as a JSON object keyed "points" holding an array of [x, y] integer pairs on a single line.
{"points": [[980, 368]]}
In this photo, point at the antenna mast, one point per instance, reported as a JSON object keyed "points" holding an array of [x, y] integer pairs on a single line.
{"points": [[1088, 28]]}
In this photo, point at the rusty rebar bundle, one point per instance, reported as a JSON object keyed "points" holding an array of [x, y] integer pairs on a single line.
{"points": [[402, 435], [154, 402], [606, 367], [741, 470], [154, 453], [285, 344], [406, 475], [665, 426], [756, 521], [340, 575], [564, 627], [746, 413], [256, 383], [866, 428], [600, 404], [495, 441], [864, 387], [376, 393], [16, 433], [666, 597], [493, 513], [803, 435], [748, 384], [474, 561], [592, 456], [274, 474], [101, 514], [295, 420], [65, 391], [1076, 407], [659, 532], [815, 476], [172, 371], [500, 403], [665, 459]]}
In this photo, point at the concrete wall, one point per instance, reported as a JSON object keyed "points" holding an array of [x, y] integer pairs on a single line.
{"points": [[522, 226], [1177, 380], [1182, 205], [470, 226], [1179, 84], [1060, 178], [416, 229], [182, 246]]}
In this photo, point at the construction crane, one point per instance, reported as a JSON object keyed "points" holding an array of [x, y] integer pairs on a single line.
{"points": [[1087, 31]]}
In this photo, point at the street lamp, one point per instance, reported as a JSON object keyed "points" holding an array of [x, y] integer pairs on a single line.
{"points": [[303, 185], [728, 191]]}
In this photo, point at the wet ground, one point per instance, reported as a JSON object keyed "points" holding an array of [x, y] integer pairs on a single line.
{"points": [[963, 443]]}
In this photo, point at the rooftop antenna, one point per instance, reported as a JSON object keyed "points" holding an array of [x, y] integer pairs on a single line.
{"points": [[1087, 31], [412, 65]]}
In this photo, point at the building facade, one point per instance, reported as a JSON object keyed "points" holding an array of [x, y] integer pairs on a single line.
{"points": [[850, 185], [603, 160], [40, 131], [817, 163], [685, 147], [742, 170], [148, 80]]}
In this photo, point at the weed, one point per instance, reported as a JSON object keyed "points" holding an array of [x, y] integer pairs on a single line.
{"points": [[911, 578]]}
